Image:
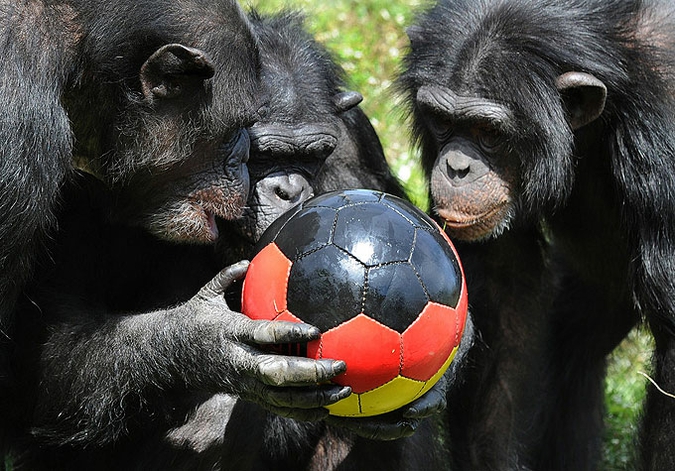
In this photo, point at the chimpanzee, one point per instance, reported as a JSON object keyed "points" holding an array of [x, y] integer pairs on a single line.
{"points": [[311, 130], [122, 342], [547, 129], [151, 100], [313, 138], [123, 90]]}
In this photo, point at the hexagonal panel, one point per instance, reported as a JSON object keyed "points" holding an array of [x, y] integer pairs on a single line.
{"points": [[437, 266], [394, 295], [325, 287], [308, 230], [372, 352], [391, 396], [429, 342], [264, 291], [373, 233], [416, 216], [441, 371], [273, 230]]}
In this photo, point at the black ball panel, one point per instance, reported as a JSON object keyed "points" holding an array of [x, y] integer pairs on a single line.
{"points": [[416, 217], [373, 233], [364, 251], [307, 231], [273, 230], [440, 273], [313, 293], [394, 296]]}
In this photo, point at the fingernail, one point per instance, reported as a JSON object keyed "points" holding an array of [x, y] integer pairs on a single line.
{"points": [[345, 392], [313, 332]]}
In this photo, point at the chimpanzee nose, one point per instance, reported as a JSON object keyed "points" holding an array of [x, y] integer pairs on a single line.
{"points": [[288, 189], [458, 166]]}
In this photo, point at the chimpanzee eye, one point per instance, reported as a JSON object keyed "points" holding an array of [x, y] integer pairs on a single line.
{"points": [[442, 127], [488, 139]]}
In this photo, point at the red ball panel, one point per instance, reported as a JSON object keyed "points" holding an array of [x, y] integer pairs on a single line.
{"points": [[372, 352], [462, 308], [429, 341], [264, 291], [287, 316]]}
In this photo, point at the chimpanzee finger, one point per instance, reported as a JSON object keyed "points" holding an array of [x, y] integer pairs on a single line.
{"points": [[377, 428], [282, 332], [305, 398], [431, 403], [219, 284], [280, 370]]}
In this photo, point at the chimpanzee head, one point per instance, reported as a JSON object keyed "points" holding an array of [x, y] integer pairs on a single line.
{"points": [[171, 138], [301, 125], [496, 115]]}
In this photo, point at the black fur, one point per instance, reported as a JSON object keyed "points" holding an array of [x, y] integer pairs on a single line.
{"points": [[598, 200]]}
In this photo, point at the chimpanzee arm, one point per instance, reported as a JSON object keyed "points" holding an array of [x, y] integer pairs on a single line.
{"points": [[35, 154], [97, 375]]}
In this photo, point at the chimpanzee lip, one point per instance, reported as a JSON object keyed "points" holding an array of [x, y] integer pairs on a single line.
{"points": [[211, 225], [453, 219]]}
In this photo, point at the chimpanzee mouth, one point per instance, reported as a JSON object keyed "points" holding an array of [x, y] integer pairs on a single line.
{"points": [[454, 219], [474, 227], [211, 225]]}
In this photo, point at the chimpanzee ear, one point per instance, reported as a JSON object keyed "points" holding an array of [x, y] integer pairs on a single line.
{"points": [[584, 96], [172, 68], [345, 101]]}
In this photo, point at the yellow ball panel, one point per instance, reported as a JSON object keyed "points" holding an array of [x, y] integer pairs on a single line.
{"points": [[347, 407], [388, 397]]}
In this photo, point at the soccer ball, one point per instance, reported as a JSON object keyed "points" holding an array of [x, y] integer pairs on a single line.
{"points": [[381, 281]]}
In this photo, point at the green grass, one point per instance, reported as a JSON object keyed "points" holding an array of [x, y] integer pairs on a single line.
{"points": [[368, 39], [624, 392]]}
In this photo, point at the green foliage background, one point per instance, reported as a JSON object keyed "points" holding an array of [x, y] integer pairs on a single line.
{"points": [[367, 37]]}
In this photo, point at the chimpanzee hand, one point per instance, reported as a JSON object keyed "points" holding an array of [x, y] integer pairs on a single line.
{"points": [[399, 423], [286, 385]]}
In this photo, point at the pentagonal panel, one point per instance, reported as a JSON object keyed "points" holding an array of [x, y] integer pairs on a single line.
{"points": [[372, 352], [437, 266], [373, 233], [308, 230], [394, 295], [325, 287], [429, 342], [264, 291]]}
